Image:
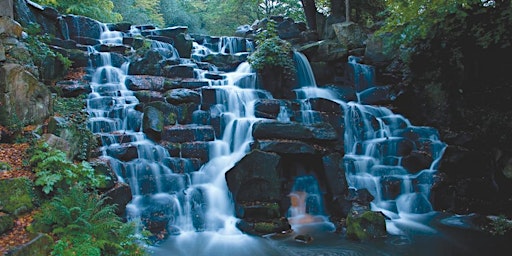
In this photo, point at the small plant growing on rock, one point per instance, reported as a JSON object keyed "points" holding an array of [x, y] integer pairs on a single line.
{"points": [[273, 61], [272, 52], [37, 45]]}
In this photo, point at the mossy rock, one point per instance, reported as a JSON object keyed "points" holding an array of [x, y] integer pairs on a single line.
{"points": [[17, 196], [264, 227], [6, 222], [363, 224], [42, 244]]}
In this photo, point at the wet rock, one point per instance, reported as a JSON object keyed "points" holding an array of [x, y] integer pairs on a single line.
{"points": [[182, 165], [188, 133], [149, 96], [199, 150], [145, 82], [169, 112], [178, 96], [119, 195], [181, 71], [363, 224], [153, 123], [417, 161], [293, 131], [255, 178], [192, 83], [82, 26], [102, 167], [391, 187], [183, 44], [72, 88], [123, 152], [267, 108], [122, 26], [260, 211], [86, 40], [149, 64], [280, 130], [304, 238], [334, 169], [285, 147], [226, 62]]}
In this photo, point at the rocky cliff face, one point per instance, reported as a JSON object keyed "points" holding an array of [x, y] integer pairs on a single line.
{"points": [[25, 100]]}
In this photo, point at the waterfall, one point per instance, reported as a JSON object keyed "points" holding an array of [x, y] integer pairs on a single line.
{"points": [[196, 205], [306, 202], [380, 146]]}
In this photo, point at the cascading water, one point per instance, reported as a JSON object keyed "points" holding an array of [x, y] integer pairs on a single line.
{"points": [[196, 205], [382, 151], [377, 144]]}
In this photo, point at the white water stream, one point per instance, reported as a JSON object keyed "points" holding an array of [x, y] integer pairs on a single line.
{"points": [[198, 206]]}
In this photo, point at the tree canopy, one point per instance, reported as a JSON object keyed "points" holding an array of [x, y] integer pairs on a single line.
{"points": [[101, 10]]}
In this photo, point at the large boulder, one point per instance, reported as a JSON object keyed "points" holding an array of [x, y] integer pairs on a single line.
{"points": [[17, 196], [76, 25], [255, 178], [293, 131], [9, 27], [350, 34], [41, 244], [24, 99]]}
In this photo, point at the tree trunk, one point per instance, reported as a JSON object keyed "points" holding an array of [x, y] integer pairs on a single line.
{"points": [[347, 10], [310, 12]]}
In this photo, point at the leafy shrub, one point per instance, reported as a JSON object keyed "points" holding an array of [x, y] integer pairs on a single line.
{"points": [[101, 10], [75, 129], [38, 47], [53, 170], [83, 224], [272, 52], [500, 225]]}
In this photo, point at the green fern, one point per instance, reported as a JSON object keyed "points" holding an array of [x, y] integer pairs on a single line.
{"points": [[85, 225]]}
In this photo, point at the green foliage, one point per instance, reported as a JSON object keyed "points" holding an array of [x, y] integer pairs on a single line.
{"points": [[84, 225], [101, 10], [500, 226], [39, 49], [272, 52], [17, 196], [75, 129], [140, 11], [53, 170], [181, 13], [5, 166], [415, 20]]}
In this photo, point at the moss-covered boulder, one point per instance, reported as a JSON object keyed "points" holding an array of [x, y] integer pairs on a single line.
{"points": [[6, 222], [363, 224], [42, 244], [17, 196]]}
